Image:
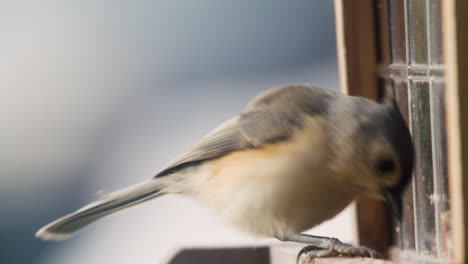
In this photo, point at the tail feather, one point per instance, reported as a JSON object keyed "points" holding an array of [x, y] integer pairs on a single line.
{"points": [[68, 225]]}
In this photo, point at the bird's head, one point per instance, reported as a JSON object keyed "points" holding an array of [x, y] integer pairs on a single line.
{"points": [[376, 151]]}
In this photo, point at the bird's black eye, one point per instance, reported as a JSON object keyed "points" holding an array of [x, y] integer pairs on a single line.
{"points": [[385, 166]]}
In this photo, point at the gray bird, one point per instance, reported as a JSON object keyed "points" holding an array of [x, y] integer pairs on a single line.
{"points": [[297, 156]]}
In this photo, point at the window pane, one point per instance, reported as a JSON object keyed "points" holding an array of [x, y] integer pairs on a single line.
{"points": [[440, 197], [416, 71], [417, 31], [424, 184], [435, 32], [405, 230], [397, 30]]}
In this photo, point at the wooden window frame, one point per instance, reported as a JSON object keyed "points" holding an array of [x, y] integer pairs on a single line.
{"points": [[356, 42], [358, 70], [455, 41]]}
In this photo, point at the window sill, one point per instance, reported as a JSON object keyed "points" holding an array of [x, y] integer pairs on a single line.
{"points": [[276, 254]]}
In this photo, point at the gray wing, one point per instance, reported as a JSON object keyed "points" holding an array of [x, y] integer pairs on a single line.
{"points": [[250, 130], [270, 117]]}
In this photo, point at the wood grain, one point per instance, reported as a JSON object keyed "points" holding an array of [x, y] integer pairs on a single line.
{"points": [[357, 63], [455, 43]]}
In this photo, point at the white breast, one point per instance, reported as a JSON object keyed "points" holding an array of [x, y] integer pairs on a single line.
{"points": [[279, 188]]}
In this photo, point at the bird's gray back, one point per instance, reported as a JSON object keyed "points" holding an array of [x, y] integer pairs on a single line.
{"points": [[270, 117]]}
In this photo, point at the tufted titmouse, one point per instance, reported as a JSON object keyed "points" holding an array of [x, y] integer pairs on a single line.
{"points": [[295, 157]]}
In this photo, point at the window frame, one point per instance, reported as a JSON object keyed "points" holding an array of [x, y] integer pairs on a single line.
{"points": [[455, 41], [357, 41]]}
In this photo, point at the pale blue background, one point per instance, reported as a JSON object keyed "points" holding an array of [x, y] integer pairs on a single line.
{"points": [[96, 95]]}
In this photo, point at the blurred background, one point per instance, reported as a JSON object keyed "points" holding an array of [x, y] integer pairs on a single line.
{"points": [[98, 95]]}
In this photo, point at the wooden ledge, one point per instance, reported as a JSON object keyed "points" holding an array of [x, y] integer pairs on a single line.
{"points": [[277, 254], [287, 255]]}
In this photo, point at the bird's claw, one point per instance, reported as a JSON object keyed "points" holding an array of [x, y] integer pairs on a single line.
{"points": [[307, 254], [333, 247]]}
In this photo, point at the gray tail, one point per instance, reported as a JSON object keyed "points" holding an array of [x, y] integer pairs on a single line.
{"points": [[68, 225]]}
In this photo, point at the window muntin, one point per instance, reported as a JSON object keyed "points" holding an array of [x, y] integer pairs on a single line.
{"points": [[410, 64]]}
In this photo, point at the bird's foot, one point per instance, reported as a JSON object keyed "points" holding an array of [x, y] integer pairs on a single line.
{"points": [[308, 253], [333, 247]]}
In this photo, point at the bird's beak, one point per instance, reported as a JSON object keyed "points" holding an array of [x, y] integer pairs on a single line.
{"points": [[394, 202]]}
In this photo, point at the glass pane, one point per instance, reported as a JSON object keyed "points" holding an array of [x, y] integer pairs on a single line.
{"points": [[401, 89], [424, 182], [417, 34], [396, 9], [440, 198], [415, 44], [435, 29], [405, 229]]}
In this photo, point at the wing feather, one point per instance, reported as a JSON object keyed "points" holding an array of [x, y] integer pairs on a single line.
{"points": [[270, 117]]}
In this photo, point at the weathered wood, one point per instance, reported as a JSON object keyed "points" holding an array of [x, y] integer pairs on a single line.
{"points": [[455, 43], [357, 62], [275, 254], [287, 255], [356, 47], [244, 255]]}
